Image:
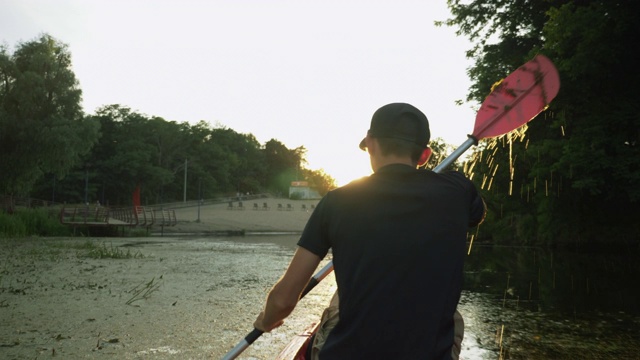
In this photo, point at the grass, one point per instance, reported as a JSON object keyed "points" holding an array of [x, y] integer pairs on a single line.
{"points": [[44, 222], [111, 252], [56, 250], [31, 222]]}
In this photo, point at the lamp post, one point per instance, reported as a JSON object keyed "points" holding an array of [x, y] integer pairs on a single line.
{"points": [[175, 171], [184, 198], [53, 196], [86, 191], [199, 198], [86, 186]]}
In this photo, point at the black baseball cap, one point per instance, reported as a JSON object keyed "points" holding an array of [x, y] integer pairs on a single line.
{"points": [[399, 121]]}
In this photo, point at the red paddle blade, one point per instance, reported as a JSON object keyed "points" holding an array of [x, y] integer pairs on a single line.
{"points": [[518, 98]]}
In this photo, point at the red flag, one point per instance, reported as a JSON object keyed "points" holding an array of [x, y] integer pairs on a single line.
{"points": [[136, 196]]}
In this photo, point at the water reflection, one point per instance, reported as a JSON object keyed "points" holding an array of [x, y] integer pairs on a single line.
{"points": [[479, 336], [553, 281], [529, 303]]}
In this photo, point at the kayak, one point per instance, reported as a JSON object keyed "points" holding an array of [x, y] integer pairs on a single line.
{"points": [[297, 348]]}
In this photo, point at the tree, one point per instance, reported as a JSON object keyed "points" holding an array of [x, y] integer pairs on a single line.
{"points": [[600, 155], [241, 157], [575, 176], [439, 151], [283, 165], [320, 181], [42, 126]]}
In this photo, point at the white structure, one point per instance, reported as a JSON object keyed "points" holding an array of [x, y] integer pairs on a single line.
{"points": [[301, 190]]}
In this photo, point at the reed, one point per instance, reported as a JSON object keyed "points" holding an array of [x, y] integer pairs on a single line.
{"points": [[111, 252], [144, 290]]}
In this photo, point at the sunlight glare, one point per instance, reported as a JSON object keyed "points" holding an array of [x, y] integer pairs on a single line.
{"points": [[343, 168]]}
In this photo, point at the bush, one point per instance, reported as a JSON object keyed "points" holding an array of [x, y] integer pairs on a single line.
{"points": [[11, 226], [29, 222]]}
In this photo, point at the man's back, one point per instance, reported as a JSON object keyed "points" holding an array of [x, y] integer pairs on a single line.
{"points": [[398, 243]]}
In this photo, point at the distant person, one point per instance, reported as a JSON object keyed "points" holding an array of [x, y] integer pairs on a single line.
{"points": [[398, 240]]}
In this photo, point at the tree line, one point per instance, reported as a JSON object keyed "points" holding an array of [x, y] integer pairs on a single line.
{"points": [[52, 150], [573, 178]]}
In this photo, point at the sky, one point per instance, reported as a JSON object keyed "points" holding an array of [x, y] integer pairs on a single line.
{"points": [[306, 73]]}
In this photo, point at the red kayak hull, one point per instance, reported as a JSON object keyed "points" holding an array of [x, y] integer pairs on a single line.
{"points": [[297, 348]]}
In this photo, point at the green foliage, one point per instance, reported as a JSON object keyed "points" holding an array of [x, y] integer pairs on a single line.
{"points": [[296, 196], [319, 180], [42, 126], [575, 175], [283, 165], [31, 222], [440, 150], [111, 252], [136, 150], [11, 226]]}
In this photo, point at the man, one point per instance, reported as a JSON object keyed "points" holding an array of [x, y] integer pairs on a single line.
{"points": [[398, 243]]}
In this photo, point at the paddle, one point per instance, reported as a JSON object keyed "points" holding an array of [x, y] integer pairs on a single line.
{"points": [[513, 102]]}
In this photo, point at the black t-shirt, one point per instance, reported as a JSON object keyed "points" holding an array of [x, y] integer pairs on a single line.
{"points": [[398, 243]]}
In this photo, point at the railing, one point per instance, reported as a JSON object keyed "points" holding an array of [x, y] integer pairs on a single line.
{"points": [[103, 216], [165, 217]]}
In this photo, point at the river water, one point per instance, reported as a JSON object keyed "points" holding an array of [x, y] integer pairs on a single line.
{"points": [[531, 303]]}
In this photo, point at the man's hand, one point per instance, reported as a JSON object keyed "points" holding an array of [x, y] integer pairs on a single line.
{"points": [[284, 295], [259, 324]]}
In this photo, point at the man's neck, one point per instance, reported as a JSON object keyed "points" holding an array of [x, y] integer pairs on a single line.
{"points": [[382, 161]]}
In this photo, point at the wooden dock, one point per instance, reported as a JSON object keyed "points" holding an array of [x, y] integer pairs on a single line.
{"points": [[136, 216]]}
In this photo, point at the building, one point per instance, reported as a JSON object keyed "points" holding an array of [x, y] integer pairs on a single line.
{"points": [[301, 190]]}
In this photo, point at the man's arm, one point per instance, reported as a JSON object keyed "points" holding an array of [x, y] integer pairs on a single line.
{"points": [[478, 211], [284, 295]]}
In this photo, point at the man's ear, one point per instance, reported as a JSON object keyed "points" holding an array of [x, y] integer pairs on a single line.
{"points": [[424, 157], [371, 146]]}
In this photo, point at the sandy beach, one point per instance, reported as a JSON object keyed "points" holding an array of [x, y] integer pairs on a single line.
{"points": [[176, 296], [259, 215]]}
